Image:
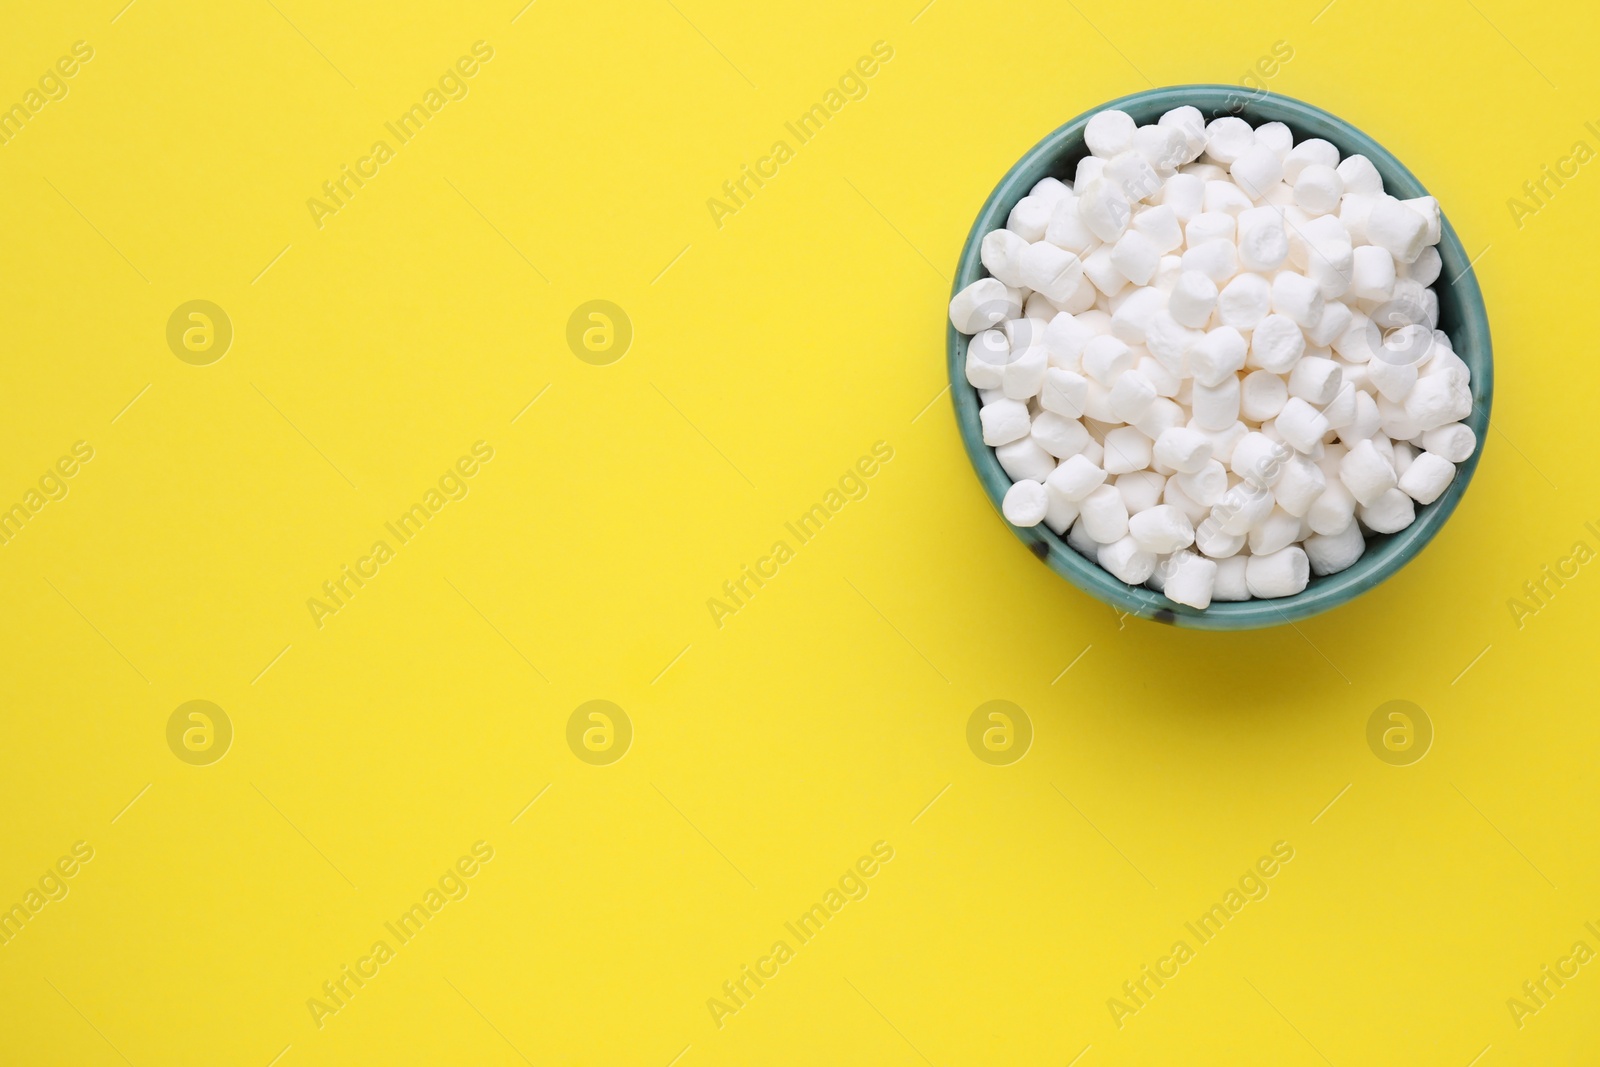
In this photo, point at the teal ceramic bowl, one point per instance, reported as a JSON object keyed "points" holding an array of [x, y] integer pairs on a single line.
{"points": [[1461, 315]]}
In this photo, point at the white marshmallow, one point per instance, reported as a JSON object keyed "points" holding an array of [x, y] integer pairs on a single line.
{"points": [[1162, 416], [1182, 449], [1283, 573], [1400, 229], [1064, 392], [1230, 583], [1136, 256], [1067, 228], [1245, 301], [1300, 425], [1134, 313], [1217, 355], [1315, 380], [1302, 155], [1276, 136], [1318, 189], [1277, 531], [1256, 169], [1188, 121], [1024, 375], [1428, 208], [1103, 273], [1193, 299], [1161, 529], [1209, 226], [1333, 510], [1216, 407], [1004, 421], [1276, 344], [1105, 358], [1206, 485], [1190, 580], [1301, 483], [1030, 217], [1159, 225], [1076, 478], [1025, 503], [1058, 435], [1455, 443], [1059, 513], [1185, 194], [1258, 459], [1391, 512], [1227, 197], [1109, 133], [987, 355], [1141, 490], [1103, 205], [1164, 148], [1366, 473], [1332, 553], [1228, 138], [1050, 270], [1131, 396], [1297, 298], [1024, 458], [1241, 507], [1372, 274], [1261, 395], [1103, 515], [1263, 241], [1001, 253], [986, 302], [1426, 479], [1126, 450], [1126, 561], [1218, 260], [1360, 176]]}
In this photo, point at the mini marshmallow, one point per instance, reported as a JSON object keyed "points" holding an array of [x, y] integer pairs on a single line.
{"points": [[1277, 531], [1297, 298], [1263, 241], [1228, 138], [1259, 460], [1103, 273], [1371, 273], [1455, 442], [1134, 173], [1136, 256], [1126, 450], [1300, 425], [1230, 583], [1109, 133], [1126, 561], [1391, 378], [1427, 477], [987, 355], [1141, 490], [1050, 270], [1173, 494], [1333, 510], [1218, 260], [1103, 514], [1216, 407], [1134, 313], [1105, 358], [1205, 486], [1317, 189], [1283, 573], [1058, 435], [1336, 319], [1209, 226], [1025, 503], [1185, 194], [1210, 539], [1103, 205], [1437, 401], [1079, 541], [1182, 449], [1163, 147], [1030, 217], [1161, 529], [1391, 512], [1366, 473], [1401, 230], [1025, 458], [1159, 225], [1004, 421], [1425, 271], [1240, 508], [1276, 136], [1064, 392], [1245, 301], [1075, 478], [1188, 121], [1256, 169], [1024, 375], [1276, 344], [1059, 513], [1169, 342], [1360, 176], [1261, 395], [1332, 553], [1190, 580], [1193, 299], [1227, 197], [1301, 483], [1067, 228], [1217, 355], [1428, 208], [1131, 396], [1166, 383], [1163, 415], [1001, 252], [1307, 152], [1315, 380], [986, 302]]}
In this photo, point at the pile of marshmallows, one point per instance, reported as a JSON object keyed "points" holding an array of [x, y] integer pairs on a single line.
{"points": [[1214, 357]]}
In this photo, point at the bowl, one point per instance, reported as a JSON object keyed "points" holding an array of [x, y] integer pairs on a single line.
{"points": [[1461, 316]]}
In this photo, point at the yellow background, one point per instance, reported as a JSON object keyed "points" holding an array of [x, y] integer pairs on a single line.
{"points": [[768, 355]]}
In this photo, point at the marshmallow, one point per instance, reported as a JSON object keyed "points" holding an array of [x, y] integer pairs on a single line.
{"points": [[1256, 169], [1263, 241], [1300, 425], [1001, 253], [1162, 415], [1276, 344], [1241, 507], [1301, 483], [1332, 553], [1059, 513], [1455, 443], [1030, 217], [1136, 256], [1372, 274], [1218, 260], [1141, 490], [1228, 138], [1245, 301], [1105, 358], [1190, 580], [1025, 503], [1131, 396], [1261, 395], [1134, 313], [1307, 152], [1025, 458], [1058, 435], [1109, 133], [1210, 539], [1297, 298], [1159, 225], [986, 302], [1102, 273], [987, 355], [1126, 561], [1333, 510], [1427, 477], [1230, 583], [1064, 392], [1391, 512], [1182, 449], [1075, 478], [1104, 515], [1024, 375], [1188, 121], [1004, 421], [1276, 136], [1126, 450], [1227, 197], [1217, 355], [1161, 529], [1277, 531], [1216, 407], [1283, 573], [1103, 205], [1315, 380], [1259, 460], [1135, 174], [1205, 486], [1318, 189], [1067, 228], [1360, 176], [1209, 226], [1163, 147], [1193, 299], [1050, 270], [1398, 228], [1366, 473]]}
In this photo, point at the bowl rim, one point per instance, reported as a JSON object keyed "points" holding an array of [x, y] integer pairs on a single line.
{"points": [[1470, 338]]}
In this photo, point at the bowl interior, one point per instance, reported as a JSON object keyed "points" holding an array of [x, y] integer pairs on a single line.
{"points": [[1461, 316]]}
